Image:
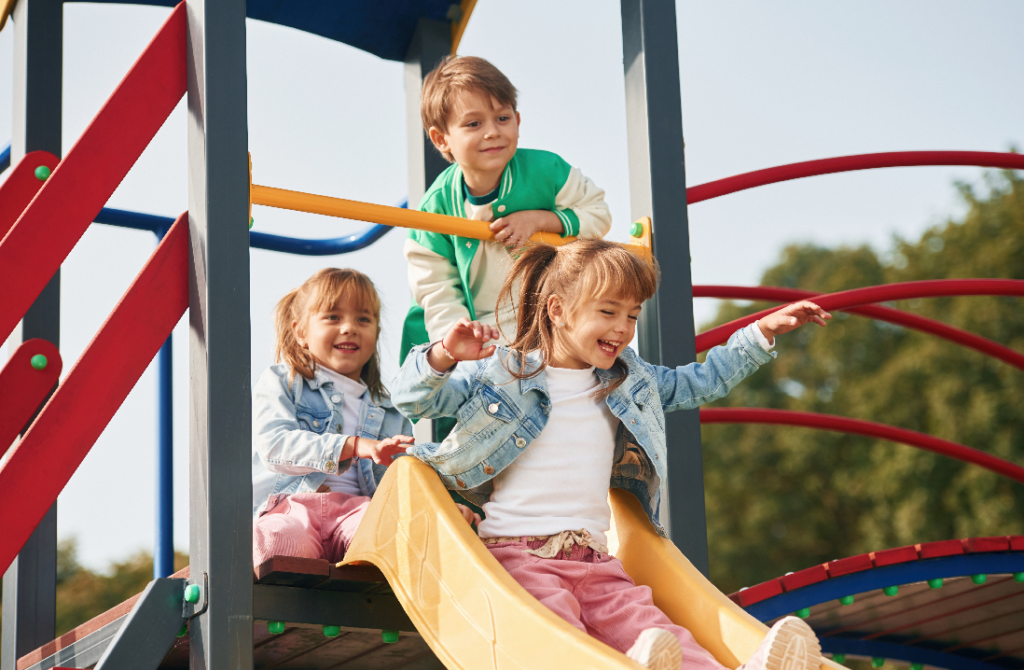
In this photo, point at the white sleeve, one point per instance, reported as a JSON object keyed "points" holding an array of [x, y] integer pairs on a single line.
{"points": [[755, 332], [586, 200], [436, 287]]}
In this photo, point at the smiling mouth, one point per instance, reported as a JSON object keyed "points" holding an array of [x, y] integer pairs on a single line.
{"points": [[347, 347], [610, 348], [493, 150]]}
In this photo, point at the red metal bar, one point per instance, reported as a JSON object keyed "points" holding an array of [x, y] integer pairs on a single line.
{"points": [[933, 288], [77, 190], [24, 387], [21, 186], [47, 456], [888, 314], [774, 175], [843, 424]]}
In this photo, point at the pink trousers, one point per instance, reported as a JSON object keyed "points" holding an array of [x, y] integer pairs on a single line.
{"points": [[308, 525], [592, 592]]}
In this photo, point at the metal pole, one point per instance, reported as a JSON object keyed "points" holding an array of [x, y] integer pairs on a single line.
{"points": [[163, 552], [220, 424], [657, 177], [29, 585]]}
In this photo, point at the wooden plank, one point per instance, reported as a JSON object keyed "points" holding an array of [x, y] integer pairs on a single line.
{"points": [[23, 388], [293, 571], [21, 186]]}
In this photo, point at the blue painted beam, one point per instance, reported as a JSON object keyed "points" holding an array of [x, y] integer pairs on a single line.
{"points": [[5, 158]]}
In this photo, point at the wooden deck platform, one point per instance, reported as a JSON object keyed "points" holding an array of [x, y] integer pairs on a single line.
{"points": [[307, 594]]}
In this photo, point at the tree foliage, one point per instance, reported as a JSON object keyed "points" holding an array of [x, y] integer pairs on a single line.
{"points": [[782, 499]]}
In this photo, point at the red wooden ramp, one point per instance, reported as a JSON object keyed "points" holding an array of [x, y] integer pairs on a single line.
{"points": [[25, 380]]}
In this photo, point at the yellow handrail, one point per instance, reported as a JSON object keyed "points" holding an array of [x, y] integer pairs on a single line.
{"points": [[459, 27], [389, 216], [7, 8]]}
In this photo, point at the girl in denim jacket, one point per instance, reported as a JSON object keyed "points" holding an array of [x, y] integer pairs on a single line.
{"points": [[323, 427], [548, 423]]}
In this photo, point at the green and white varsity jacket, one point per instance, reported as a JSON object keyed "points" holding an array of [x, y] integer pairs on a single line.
{"points": [[453, 276]]}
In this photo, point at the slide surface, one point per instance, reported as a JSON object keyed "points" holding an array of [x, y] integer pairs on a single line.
{"points": [[475, 616]]}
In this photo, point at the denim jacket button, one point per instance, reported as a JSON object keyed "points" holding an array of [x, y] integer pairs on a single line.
{"points": [[461, 483], [329, 466], [337, 426], [488, 470], [632, 421], [371, 416], [493, 407], [520, 442], [335, 398]]}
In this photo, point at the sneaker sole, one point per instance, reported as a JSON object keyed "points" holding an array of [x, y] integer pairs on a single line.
{"points": [[794, 647], [664, 654]]}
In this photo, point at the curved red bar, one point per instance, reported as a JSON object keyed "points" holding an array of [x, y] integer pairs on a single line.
{"points": [[888, 314], [774, 175], [843, 424], [933, 288]]}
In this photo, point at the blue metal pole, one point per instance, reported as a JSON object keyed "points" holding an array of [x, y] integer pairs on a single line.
{"points": [[163, 553]]}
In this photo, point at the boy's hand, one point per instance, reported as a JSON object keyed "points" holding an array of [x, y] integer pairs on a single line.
{"points": [[516, 229], [383, 451], [471, 517], [791, 317], [464, 342]]}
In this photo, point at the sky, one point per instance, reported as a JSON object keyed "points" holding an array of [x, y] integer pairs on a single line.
{"points": [[763, 84]]}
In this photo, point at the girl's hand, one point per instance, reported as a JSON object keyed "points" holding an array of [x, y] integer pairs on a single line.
{"points": [[516, 229], [382, 452], [464, 342], [792, 317], [471, 517]]}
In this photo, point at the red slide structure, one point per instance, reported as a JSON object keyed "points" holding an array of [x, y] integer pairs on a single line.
{"points": [[44, 233]]}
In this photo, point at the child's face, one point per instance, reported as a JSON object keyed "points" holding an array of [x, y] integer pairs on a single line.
{"points": [[482, 134], [596, 334], [343, 337]]}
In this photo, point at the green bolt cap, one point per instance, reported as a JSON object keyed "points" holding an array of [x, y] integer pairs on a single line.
{"points": [[183, 631], [935, 583], [891, 590], [846, 600], [1018, 576], [192, 593], [839, 658], [877, 662], [275, 627], [250, 223], [38, 362], [332, 631], [917, 666], [803, 613], [42, 173], [637, 229], [389, 636], [979, 579]]}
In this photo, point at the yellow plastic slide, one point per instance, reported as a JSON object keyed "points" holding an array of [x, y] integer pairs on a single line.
{"points": [[475, 616]]}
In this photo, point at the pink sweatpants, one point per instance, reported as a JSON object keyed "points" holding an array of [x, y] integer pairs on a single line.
{"points": [[308, 525], [593, 593]]}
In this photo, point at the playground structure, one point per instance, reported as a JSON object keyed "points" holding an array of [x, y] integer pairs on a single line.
{"points": [[470, 613]]}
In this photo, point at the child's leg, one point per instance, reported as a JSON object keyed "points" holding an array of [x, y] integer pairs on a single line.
{"points": [[341, 516], [616, 611], [548, 580], [290, 528]]}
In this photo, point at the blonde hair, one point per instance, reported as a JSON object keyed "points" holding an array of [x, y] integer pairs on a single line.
{"points": [[454, 76], [576, 272], [319, 293]]}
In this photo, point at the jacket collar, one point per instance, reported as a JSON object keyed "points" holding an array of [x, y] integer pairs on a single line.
{"points": [[319, 379], [457, 201]]}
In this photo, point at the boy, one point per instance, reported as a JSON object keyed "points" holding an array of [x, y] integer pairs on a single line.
{"points": [[469, 112]]}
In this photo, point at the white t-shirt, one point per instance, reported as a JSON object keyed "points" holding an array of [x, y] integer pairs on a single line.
{"points": [[352, 402], [560, 482]]}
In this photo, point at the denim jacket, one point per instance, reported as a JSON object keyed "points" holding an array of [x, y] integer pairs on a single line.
{"points": [[298, 438], [499, 416]]}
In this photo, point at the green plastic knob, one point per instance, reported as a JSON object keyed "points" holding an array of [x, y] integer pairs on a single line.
{"points": [[42, 173], [917, 666], [839, 658], [803, 613], [1018, 576], [389, 636], [891, 590], [979, 579], [877, 662], [192, 593], [935, 583], [250, 223], [275, 627], [846, 600], [38, 362], [183, 631], [636, 230], [332, 631]]}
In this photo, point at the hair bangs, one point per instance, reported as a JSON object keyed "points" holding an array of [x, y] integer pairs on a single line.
{"points": [[347, 286], [617, 273]]}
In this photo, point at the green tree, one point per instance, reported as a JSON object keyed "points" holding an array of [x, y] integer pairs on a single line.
{"points": [[781, 499]]}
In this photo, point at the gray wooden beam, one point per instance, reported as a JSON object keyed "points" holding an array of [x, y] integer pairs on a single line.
{"points": [[329, 608], [657, 176], [147, 633], [29, 599], [220, 538], [431, 42]]}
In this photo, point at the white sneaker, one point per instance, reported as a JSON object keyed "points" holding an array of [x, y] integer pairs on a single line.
{"points": [[790, 645], [657, 649]]}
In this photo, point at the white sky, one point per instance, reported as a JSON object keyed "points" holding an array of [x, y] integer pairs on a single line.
{"points": [[763, 84]]}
